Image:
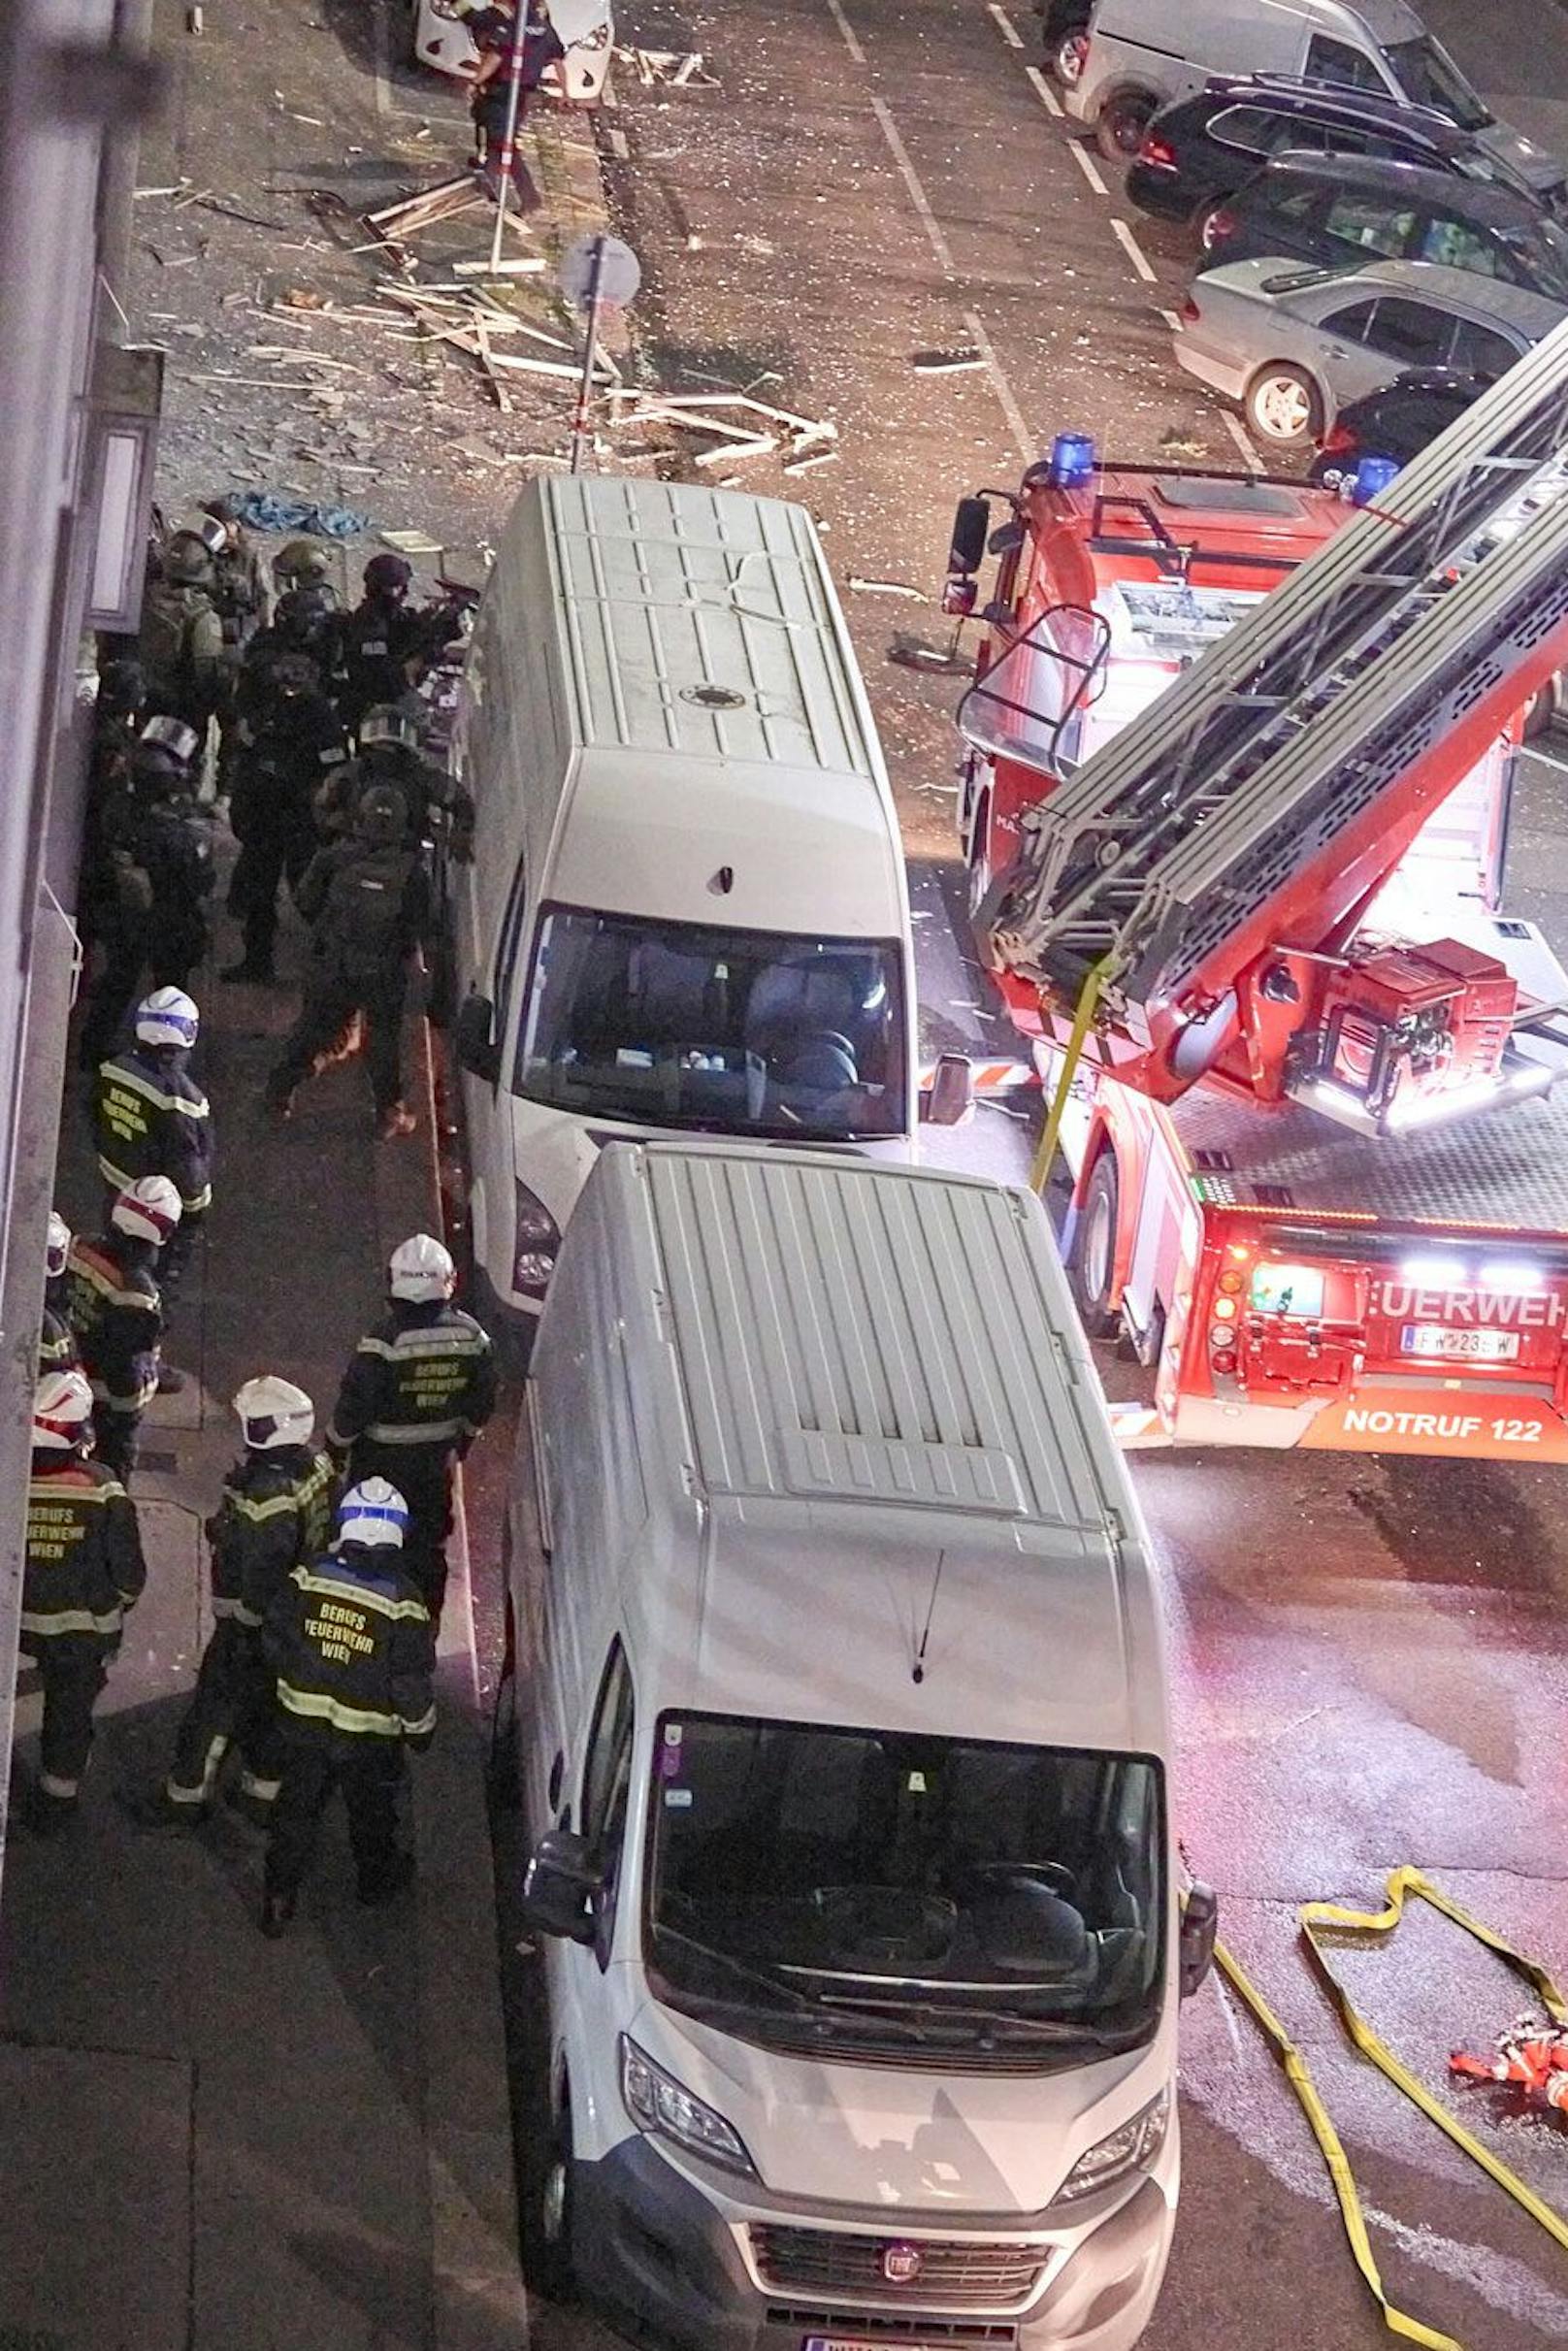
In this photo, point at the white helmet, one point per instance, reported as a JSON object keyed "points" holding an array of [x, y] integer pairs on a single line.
{"points": [[421, 1269], [57, 1247], [63, 1412], [147, 1209], [167, 1017], [273, 1412], [373, 1513], [172, 734]]}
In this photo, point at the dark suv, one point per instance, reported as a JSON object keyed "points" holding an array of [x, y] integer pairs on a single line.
{"points": [[1339, 210], [1201, 151]]}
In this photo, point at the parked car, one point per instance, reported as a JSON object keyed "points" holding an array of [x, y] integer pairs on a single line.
{"points": [[438, 38], [1198, 153], [1293, 346], [1066, 37], [1396, 421], [1337, 210]]}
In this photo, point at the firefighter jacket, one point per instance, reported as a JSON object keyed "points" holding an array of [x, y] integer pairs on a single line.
{"points": [[116, 1312], [152, 1119], [275, 1511], [418, 1390], [56, 1341], [85, 1564], [354, 1652]]}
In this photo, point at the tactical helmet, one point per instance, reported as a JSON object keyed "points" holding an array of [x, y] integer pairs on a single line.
{"points": [[149, 1210], [299, 562], [379, 816], [167, 1017], [387, 723], [388, 575], [63, 1412], [216, 534], [121, 687], [373, 1513], [273, 1412], [421, 1269], [304, 614], [172, 736], [186, 561]]}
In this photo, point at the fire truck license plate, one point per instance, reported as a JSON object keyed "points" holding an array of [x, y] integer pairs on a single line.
{"points": [[1470, 1346]]}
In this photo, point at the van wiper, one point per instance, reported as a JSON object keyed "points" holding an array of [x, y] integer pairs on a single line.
{"points": [[937, 2012], [757, 1976]]}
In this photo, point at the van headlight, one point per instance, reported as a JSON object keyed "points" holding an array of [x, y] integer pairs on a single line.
{"points": [[1132, 2148], [537, 1240], [658, 2105]]}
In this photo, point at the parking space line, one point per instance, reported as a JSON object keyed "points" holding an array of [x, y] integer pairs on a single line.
{"points": [[1171, 319], [1026, 447], [1043, 91], [917, 194], [1004, 25], [1250, 457], [1133, 251], [851, 41], [1087, 165]]}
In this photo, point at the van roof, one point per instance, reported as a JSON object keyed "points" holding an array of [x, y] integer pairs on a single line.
{"points": [[894, 1428]]}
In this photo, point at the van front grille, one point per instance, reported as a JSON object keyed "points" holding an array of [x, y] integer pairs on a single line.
{"points": [[940, 2273], [895, 2327]]}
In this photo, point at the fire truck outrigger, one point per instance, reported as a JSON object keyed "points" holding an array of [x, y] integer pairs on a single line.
{"points": [[1320, 1179]]}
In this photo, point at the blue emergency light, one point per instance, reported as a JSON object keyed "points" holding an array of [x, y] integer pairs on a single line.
{"points": [[1372, 477], [1072, 462]]}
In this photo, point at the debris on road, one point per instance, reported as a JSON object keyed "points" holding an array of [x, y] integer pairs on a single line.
{"points": [[885, 587], [681, 69], [804, 439], [945, 363]]}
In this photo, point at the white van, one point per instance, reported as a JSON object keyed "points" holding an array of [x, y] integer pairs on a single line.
{"points": [[1144, 54], [686, 904], [843, 1741]]}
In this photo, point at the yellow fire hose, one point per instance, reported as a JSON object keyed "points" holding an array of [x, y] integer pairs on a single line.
{"points": [[1329, 1918], [1083, 1015]]}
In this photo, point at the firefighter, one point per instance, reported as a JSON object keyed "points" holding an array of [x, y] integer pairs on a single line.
{"points": [[275, 1514], [417, 1391], [180, 647], [116, 1310], [290, 741], [84, 1570], [367, 900], [56, 1340], [378, 642], [152, 1119], [160, 849], [353, 1652]]}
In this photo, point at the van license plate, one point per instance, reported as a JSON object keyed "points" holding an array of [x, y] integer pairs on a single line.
{"points": [[1433, 1340], [857, 2342]]}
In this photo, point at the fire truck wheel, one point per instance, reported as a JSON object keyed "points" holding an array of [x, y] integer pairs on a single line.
{"points": [[1123, 122], [1282, 404], [1094, 1249]]}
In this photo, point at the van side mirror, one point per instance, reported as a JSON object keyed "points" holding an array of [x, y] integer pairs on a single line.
{"points": [[559, 1886], [949, 1100], [1200, 1924], [476, 1051], [971, 522]]}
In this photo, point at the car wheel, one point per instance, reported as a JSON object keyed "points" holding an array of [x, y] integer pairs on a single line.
{"points": [[1283, 405], [551, 2214], [1206, 222], [1123, 122], [1066, 60], [1093, 1265]]}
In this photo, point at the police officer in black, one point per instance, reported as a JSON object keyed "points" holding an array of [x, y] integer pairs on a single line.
{"points": [[56, 1340], [290, 741], [116, 723], [151, 1118], [274, 1514], [116, 1312], [160, 854], [354, 1651], [367, 900], [378, 642], [417, 1391], [84, 1570]]}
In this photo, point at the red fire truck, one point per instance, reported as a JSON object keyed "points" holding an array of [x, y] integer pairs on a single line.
{"points": [[1303, 1235]]}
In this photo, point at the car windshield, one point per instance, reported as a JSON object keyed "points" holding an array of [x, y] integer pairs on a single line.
{"points": [[878, 1890], [753, 1032], [1542, 246], [1428, 75]]}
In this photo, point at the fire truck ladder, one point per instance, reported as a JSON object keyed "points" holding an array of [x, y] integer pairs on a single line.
{"points": [[1307, 713]]}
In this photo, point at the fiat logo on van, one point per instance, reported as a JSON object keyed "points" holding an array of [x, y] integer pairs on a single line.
{"points": [[901, 2264]]}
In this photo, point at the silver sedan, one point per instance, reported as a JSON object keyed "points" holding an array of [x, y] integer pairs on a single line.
{"points": [[1292, 345]]}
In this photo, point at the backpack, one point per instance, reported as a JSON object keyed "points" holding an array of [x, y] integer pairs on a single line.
{"points": [[361, 931], [163, 647]]}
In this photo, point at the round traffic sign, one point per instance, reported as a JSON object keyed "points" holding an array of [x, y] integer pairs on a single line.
{"points": [[620, 272]]}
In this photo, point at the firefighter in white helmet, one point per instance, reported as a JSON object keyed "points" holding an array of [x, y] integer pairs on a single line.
{"points": [[275, 1513], [151, 1118], [56, 1340], [84, 1570], [116, 1310], [354, 1653], [418, 1389]]}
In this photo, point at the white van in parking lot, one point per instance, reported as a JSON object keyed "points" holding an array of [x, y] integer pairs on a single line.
{"points": [[686, 906], [843, 1741]]}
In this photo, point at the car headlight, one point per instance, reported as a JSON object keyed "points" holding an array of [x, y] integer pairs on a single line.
{"points": [[660, 2105], [535, 1242], [1132, 2148], [596, 40]]}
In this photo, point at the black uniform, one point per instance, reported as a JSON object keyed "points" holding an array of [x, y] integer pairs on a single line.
{"points": [[151, 1118], [56, 1340], [354, 1653], [290, 746], [417, 784], [275, 1512], [370, 908], [160, 853], [375, 643], [417, 1390], [116, 1312], [85, 1569], [542, 46]]}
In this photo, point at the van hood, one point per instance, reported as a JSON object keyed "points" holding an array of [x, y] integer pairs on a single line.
{"points": [[911, 2142]]}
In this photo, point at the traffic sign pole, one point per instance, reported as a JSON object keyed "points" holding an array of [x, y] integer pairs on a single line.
{"points": [[580, 433], [594, 270]]}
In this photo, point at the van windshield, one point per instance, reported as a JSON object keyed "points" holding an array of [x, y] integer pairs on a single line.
{"points": [[881, 1892], [752, 1032], [1428, 76]]}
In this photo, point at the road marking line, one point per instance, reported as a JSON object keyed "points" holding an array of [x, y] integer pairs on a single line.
{"points": [[1042, 90], [1232, 425], [1087, 165], [1133, 251], [1027, 448], [835, 10], [1171, 320], [1004, 25], [382, 58], [918, 196], [619, 144]]}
